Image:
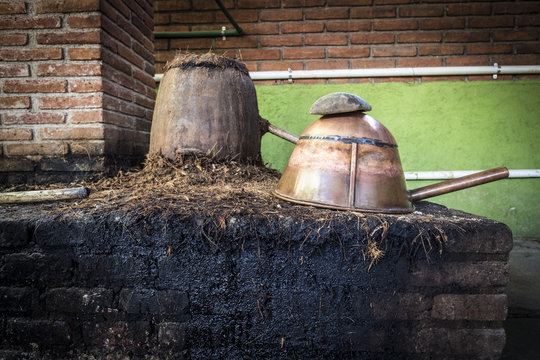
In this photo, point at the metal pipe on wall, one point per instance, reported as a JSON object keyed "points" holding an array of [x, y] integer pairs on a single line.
{"points": [[452, 174], [391, 72]]}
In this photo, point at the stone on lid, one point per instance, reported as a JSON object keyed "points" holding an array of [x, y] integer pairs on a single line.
{"points": [[337, 103]]}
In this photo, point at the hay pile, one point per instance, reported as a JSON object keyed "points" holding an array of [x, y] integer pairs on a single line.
{"points": [[224, 189]]}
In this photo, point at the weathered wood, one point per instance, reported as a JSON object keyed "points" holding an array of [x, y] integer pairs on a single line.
{"points": [[206, 104], [18, 197]]}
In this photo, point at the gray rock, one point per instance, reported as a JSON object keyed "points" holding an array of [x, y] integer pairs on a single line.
{"points": [[339, 102]]}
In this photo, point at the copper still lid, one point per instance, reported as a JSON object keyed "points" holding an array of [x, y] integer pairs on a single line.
{"points": [[345, 160]]}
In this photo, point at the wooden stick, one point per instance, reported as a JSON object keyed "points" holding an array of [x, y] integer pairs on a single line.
{"points": [[19, 197]]}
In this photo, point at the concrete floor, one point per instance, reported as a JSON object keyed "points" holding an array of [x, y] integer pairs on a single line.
{"points": [[523, 322]]}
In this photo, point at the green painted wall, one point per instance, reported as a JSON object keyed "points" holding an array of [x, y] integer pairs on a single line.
{"points": [[439, 126]]}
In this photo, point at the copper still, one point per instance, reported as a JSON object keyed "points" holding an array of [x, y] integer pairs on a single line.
{"points": [[348, 160]]}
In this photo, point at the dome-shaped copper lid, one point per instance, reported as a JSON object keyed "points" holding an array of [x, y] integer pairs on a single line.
{"points": [[345, 160]]}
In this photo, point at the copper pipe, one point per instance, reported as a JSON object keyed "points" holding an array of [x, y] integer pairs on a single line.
{"points": [[460, 183], [265, 126]]}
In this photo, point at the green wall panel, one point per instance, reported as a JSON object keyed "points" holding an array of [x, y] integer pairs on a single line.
{"points": [[439, 126]]}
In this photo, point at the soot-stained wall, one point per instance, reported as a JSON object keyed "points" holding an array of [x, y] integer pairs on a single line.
{"points": [[172, 286]]}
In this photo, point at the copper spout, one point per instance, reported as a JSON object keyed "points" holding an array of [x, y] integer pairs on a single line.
{"points": [[265, 126], [460, 183]]}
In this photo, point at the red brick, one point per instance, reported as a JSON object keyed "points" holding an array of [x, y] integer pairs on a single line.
{"points": [[71, 133], [420, 62], [282, 66], [260, 54], [65, 6], [68, 69], [515, 35], [130, 56], [17, 70], [303, 53], [13, 39], [86, 53], [16, 164], [491, 22], [372, 38], [468, 9], [303, 3], [34, 86], [114, 118], [162, 19], [438, 50], [327, 64], [191, 43], [349, 25], [70, 101], [161, 44], [115, 31], [210, 4], [85, 85], [125, 107], [527, 48], [443, 78], [30, 22], [88, 148], [443, 23], [11, 7], [395, 24], [393, 2], [144, 77], [116, 90], [468, 61], [240, 16], [171, 5], [348, 52], [281, 15], [419, 37], [33, 148], [236, 42], [193, 18], [84, 21], [15, 102], [281, 40], [396, 50], [325, 39], [528, 20], [475, 49], [29, 54], [516, 8], [144, 101], [349, 2], [34, 118], [326, 13], [302, 27], [467, 36], [373, 63], [261, 28], [421, 11], [15, 134], [258, 4], [470, 307], [87, 37], [85, 116], [373, 12]]}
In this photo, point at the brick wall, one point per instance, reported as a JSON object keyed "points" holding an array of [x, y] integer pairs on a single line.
{"points": [[341, 34], [111, 285], [76, 88]]}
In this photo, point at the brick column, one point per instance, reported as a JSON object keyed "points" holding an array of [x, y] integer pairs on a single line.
{"points": [[76, 86]]}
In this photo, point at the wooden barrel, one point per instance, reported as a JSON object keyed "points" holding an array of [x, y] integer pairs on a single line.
{"points": [[206, 104]]}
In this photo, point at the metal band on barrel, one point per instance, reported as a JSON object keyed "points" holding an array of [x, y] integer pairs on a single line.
{"points": [[349, 140]]}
